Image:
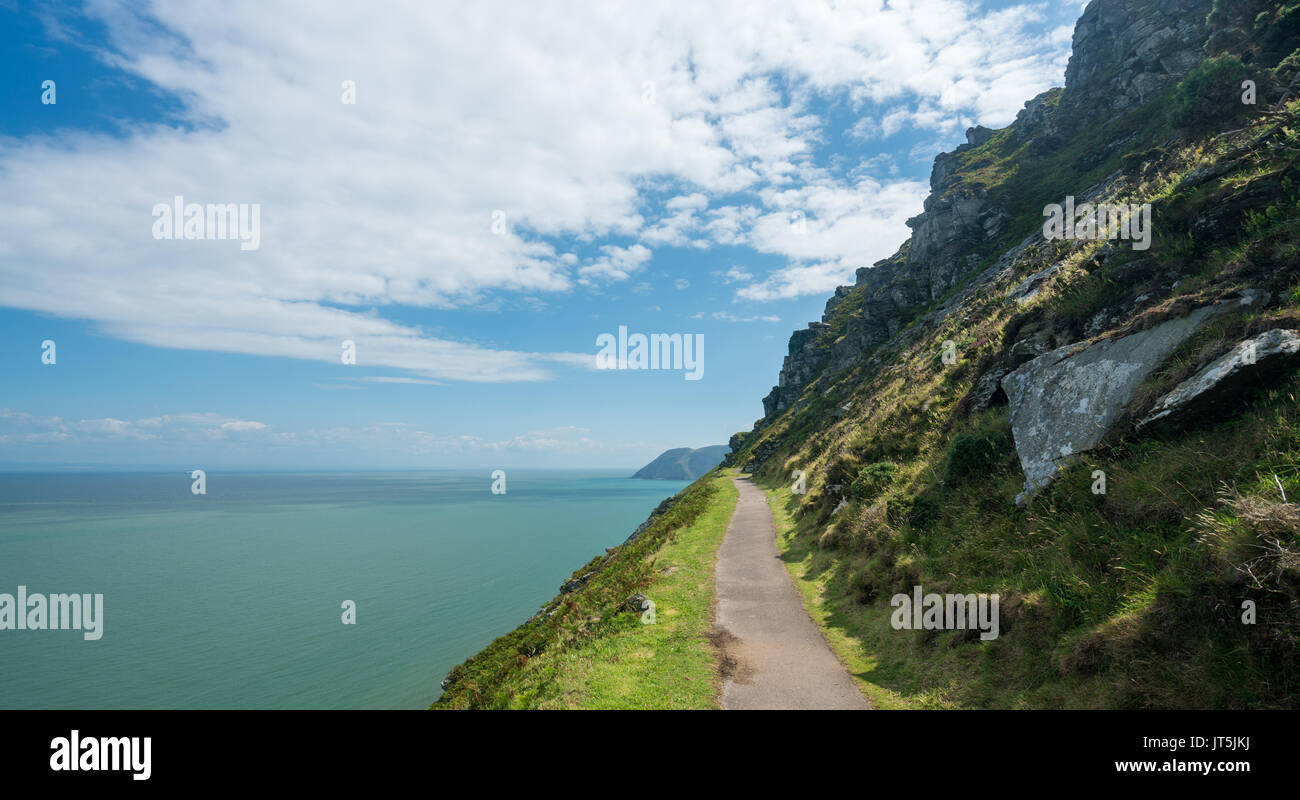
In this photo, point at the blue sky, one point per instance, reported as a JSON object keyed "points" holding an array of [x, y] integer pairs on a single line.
{"points": [[713, 169]]}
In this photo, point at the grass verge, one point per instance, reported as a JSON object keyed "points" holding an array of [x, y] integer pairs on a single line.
{"points": [[801, 562], [588, 652]]}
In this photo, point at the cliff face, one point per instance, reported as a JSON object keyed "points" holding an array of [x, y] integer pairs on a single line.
{"points": [[1125, 52]]}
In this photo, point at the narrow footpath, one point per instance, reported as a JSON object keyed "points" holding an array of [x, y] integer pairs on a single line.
{"points": [[773, 656]]}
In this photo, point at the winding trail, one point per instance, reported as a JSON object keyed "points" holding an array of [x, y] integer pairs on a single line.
{"points": [[773, 656]]}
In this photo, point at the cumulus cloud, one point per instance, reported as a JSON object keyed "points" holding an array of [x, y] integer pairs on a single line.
{"points": [[734, 274], [681, 218], [828, 230], [485, 136], [243, 425]]}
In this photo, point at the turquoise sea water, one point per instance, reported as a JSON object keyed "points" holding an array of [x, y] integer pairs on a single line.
{"points": [[233, 599]]}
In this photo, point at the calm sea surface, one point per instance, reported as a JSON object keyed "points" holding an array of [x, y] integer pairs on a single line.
{"points": [[233, 599]]}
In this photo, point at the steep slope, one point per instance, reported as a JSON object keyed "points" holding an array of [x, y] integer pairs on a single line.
{"points": [[683, 463], [966, 412], [593, 645], [1155, 564]]}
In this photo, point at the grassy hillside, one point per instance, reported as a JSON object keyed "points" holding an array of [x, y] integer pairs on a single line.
{"points": [[1128, 599], [587, 649], [1131, 598]]}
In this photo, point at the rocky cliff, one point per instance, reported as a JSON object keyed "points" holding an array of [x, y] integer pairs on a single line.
{"points": [[1100, 425], [1125, 52]]}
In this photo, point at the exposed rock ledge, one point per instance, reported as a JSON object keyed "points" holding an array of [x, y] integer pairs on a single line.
{"points": [[1225, 381], [1064, 402]]}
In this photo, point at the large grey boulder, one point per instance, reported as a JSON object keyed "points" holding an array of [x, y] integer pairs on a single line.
{"points": [[1226, 380], [1064, 402]]}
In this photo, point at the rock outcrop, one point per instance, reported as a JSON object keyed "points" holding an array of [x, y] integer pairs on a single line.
{"points": [[1226, 381], [1064, 398], [1063, 403], [806, 357], [761, 453], [1125, 51], [637, 603]]}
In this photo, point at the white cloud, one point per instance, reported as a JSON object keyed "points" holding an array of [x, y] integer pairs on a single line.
{"points": [[866, 128], [734, 274], [243, 425], [680, 219], [724, 316], [615, 264], [828, 230], [795, 281], [563, 439], [174, 435], [535, 110], [19, 427]]}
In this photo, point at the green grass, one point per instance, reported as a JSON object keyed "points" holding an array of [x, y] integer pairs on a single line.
{"points": [[667, 665], [1127, 599], [604, 657], [807, 571]]}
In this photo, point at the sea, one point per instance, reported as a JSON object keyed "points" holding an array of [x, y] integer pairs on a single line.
{"points": [[239, 597]]}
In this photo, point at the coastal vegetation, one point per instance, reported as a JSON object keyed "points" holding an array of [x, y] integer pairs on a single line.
{"points": [[592, 648]]}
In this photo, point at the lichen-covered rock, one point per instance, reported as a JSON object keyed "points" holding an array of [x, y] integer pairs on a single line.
{"points": [[576, 584], [835, 299], [1030, 344], [947, 234], [946, 163], [735, 444], [637, 603], [1064, 402], [1224, 382]]}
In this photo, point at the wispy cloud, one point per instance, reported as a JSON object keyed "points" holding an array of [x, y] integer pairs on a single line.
{"points": [[614, 264], [176, 433], [724, 316], [20, 427], [397, 379]]}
